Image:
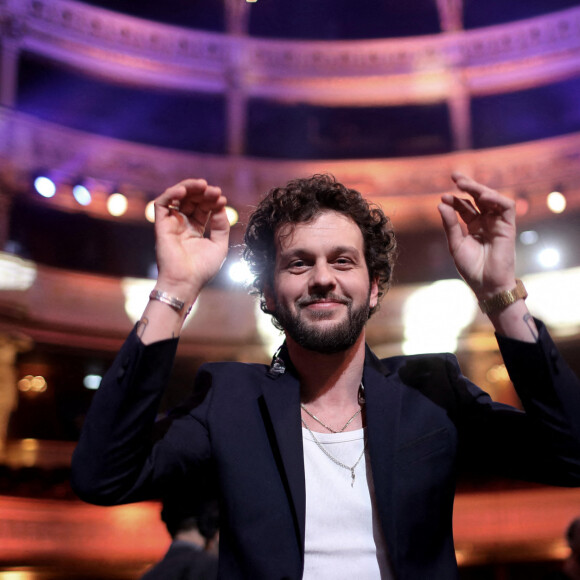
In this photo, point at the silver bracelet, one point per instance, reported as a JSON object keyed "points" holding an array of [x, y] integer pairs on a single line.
{"points": [[171, 301]]}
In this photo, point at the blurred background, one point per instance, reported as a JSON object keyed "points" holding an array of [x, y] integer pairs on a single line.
{"points": [[105, 103]]}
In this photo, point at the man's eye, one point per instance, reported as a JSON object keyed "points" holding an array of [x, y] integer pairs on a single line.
{"points": [[343, 261], [297, 264]]}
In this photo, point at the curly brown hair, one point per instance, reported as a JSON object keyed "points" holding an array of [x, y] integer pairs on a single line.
{"points": [[300, 201]]}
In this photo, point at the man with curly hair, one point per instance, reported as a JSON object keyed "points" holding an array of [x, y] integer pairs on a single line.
{"points": [[329, 463]]}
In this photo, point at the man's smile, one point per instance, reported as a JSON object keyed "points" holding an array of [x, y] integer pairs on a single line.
{"points": [[315, 302]]}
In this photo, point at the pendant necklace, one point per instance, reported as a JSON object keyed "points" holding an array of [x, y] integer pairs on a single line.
{"points": [[334, 459]]}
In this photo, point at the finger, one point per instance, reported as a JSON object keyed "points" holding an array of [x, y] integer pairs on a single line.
{"points": [[486, 199], [199, 213], [464, 207], [180, 190], [198, 205], [453, 230], [470, 186], [171, 199], [219, 226], [496, 203]]}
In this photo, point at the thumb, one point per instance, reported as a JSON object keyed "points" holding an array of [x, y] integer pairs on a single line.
{"points": [[219, 226]]}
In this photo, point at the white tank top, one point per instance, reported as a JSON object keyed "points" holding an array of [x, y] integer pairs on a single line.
{"points": [[343, 537]]}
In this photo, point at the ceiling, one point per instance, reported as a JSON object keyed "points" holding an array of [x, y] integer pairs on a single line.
{"points": [[197, 120], [337, 19], [264, 125]]}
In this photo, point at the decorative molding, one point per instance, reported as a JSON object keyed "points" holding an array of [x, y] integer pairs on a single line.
{"points": [[408, 188], [370, 72]]}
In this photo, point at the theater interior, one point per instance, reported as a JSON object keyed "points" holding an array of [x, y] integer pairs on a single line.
{"points": [[105, 103]]}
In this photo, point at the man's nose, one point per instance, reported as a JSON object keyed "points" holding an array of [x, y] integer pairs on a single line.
{"points": [[322, 276]]}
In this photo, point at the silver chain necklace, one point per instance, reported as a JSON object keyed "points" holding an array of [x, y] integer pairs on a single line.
{"points": [[327, 426], [334, 459], [361, 402]]}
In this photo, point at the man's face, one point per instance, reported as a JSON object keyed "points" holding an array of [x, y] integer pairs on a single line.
{"points": [[321, 293]]}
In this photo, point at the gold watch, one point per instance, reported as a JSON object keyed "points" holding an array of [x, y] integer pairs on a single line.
{"points": [[502, 300]]}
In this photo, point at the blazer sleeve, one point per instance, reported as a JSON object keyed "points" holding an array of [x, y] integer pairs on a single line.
{"points": [[541, 443], [116, 460]]}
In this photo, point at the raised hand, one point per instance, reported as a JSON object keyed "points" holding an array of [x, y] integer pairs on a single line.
{"points": [[188, 257], [481, 236]]}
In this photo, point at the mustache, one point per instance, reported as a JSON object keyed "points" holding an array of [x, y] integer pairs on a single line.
{"points": [[330, 297]]}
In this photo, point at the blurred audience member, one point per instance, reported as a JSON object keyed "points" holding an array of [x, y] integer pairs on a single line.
{"points": [[572, 563], [192, 554]]}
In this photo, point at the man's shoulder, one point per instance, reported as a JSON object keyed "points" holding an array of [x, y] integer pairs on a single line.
{"points": [[417, 361], [233, 372], [234, 367]]}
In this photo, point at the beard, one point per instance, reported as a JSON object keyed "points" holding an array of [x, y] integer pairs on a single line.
{"points": [[337, 338]]}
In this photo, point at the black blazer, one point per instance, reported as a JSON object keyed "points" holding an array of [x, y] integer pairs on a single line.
{"points": [[241, 432]]}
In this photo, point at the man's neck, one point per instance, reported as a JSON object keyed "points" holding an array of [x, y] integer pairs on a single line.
{"points": [[329, 379]]}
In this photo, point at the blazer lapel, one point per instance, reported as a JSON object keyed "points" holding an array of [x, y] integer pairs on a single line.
{"points": [[281, 414], [383, 399]]}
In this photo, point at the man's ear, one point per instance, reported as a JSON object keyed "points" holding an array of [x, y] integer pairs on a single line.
{"points": [[269, 297], [374, 292]]}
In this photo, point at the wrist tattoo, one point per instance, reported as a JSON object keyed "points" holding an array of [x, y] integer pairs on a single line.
{"points": [[141, 326], [529, 320]]}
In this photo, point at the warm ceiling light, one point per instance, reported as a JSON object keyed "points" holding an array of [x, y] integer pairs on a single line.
{"points": [[117, 204], [150, 212], [31, 384], [556, 202], [232, 215]]}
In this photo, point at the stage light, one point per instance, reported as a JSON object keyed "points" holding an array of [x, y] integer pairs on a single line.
{"points": [[549, 258], [92, 382], [232, 215], [497, 374], [117, 204], [32, 384], [16, 273], [553, 297], [82, 194], [436, 329], [45, 186], [529, 237], [556, 202], [150, 212], [240, 273]]}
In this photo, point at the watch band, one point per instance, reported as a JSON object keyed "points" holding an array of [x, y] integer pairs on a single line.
{"points": [[502, 300]]}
